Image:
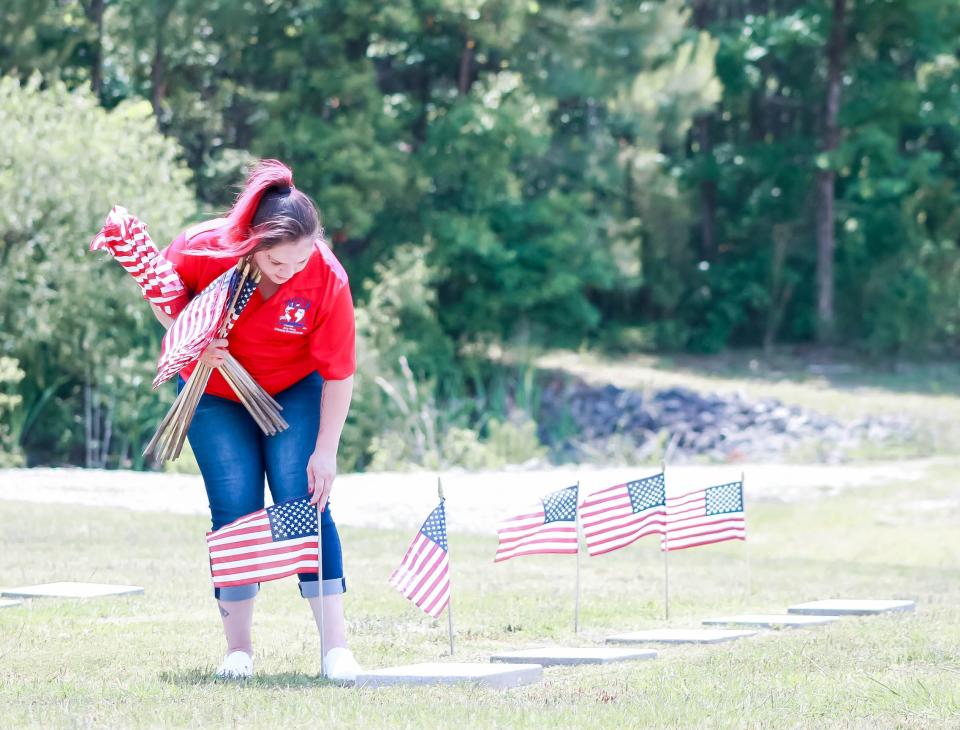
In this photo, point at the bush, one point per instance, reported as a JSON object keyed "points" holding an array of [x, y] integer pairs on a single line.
{"points": [[73, 320]]}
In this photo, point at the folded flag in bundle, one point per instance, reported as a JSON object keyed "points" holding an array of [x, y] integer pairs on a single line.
{"points": [[705, 516], [424, 573], [125, 237], [268, 544], [547, 527], [618, 516], [197, 326]]}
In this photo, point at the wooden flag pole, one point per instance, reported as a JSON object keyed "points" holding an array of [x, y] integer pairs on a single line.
{"points": [[443, 501], [665, 544], [576, 602], [323, 622], [746, 543]]}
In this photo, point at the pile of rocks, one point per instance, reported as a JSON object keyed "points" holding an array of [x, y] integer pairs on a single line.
{"points": [[583, 422]]}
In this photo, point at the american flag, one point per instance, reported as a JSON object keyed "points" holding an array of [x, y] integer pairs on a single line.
{"points": [[125, 237], [547, 527], [265, 545], [618, 516], [705, 516], [243, 297], [424, 573], [196, 327]]}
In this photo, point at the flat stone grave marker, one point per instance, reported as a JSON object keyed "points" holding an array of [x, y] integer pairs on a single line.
{"points": [[439, 673], [679, 636], [565, 655], [770, 621], [68, 589], [851, 607], [8, 604]]}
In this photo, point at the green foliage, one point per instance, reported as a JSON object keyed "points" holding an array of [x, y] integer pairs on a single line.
{"points": [[10, 400], [73, 320], [632, 175], [897, 259]]}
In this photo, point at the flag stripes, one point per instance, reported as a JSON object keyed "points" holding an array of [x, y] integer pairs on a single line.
{"points": [[704, 517], [125, 237], [618, 516], [549, 528], [196, 327], [423, 576], [265, 545]]}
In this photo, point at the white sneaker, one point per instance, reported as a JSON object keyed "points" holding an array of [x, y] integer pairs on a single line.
{"points": [[236, 665], [340, 665]]}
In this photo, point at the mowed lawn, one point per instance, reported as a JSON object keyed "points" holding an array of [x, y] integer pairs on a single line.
{"points": [[146, 660]]}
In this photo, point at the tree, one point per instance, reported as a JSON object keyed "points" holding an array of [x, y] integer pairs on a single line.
{"points": [[826, 174]]}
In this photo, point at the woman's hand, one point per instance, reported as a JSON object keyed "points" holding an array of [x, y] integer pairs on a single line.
{"points": [[321, 471], [215, 354]]}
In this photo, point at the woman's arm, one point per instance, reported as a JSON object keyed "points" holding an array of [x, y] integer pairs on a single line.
{"points": [[165, 319], [322, 467]]}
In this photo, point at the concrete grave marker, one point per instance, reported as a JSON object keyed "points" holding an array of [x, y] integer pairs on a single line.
{"points": [[9, 604], [770, 621], [69, 589], [850, 607], [679, 636], [564, 655], [433, 673]]}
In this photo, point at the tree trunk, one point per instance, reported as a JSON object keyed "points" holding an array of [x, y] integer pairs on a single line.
{"points": [[466, 62], [87, 423], [94, 12], [702, 17], [708, 194], [157, 74], [158, 67], [826, 177]]}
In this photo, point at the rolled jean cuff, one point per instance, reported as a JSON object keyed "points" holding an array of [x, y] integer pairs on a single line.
{"points": [[331, 587], [236, 593]]}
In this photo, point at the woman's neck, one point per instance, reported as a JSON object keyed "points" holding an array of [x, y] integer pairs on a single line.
{"points": [[267, 288]]}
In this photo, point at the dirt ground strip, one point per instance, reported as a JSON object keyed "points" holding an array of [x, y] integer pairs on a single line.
{"points": [[476, 502]]}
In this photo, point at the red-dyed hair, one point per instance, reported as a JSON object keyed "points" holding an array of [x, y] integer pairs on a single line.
{"points": [[269, 211]]}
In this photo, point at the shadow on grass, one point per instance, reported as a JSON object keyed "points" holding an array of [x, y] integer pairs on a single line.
{"points": [[283, 680]]}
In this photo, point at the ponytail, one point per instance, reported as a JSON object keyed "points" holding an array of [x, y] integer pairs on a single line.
{"points": [[268, 211]]}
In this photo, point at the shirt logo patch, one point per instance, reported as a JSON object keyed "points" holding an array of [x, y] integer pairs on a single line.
{"points": [[292, 319]]}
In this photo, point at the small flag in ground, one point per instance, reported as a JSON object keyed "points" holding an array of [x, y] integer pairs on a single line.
{"points": [[705, 516], [196, 327], [547, 527], [270, 543], [618, 516], [424, 573]]}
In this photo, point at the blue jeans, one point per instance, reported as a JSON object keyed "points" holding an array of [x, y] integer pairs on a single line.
{"points": [[234, 455]]}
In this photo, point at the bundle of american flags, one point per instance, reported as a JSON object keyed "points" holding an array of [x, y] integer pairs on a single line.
{"points": [[125, 237], [209, 315], [197, 323]]}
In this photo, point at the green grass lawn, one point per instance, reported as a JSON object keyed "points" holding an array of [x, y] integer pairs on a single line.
{"points": [[146, 660]]}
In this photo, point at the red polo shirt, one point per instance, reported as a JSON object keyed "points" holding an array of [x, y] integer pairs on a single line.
{"points": [[306, 326]]}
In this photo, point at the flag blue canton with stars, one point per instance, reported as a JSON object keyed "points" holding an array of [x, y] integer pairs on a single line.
{"points": [[724, 499], [647, 493], [435, 527], [245, 293], [292, 519], [560, 506]]}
